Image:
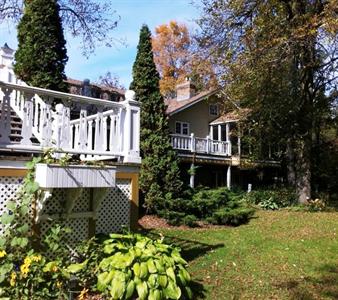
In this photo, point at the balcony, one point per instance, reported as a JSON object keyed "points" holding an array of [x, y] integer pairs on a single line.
{"points": [[33, 119], [199, 145]]}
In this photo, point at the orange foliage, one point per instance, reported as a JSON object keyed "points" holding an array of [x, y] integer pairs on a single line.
{"points": [[175, 58]]}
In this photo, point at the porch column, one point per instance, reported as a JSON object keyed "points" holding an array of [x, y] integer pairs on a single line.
{"points": [[229, 177], [239, 141], [211, 132], [227, 131], [192, 176], [220, 132]]}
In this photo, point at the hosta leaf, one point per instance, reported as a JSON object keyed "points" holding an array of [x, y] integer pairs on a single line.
{"points": [[130, 289], [118, 286], [152, 281], [142, 290], [137, 269], [143, 270], [171, 274], [163, 280], [151, 266], [154, 295], [76, 268], [172, 291]]}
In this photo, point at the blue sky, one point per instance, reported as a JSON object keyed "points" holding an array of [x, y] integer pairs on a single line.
{"points": [[119, 59]]}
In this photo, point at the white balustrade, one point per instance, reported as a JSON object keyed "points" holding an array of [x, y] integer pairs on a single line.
{"points": [[200, 145], [103, 128]]}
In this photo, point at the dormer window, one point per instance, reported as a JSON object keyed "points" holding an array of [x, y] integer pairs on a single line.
{"points": [[213, 110], [182, 128]]}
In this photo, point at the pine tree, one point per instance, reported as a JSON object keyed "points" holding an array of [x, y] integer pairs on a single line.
{"points": [[160, 175], [41, 55]]}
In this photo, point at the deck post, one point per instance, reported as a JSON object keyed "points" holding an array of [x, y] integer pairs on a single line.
{"points": [[192, 176], [192, 143], [229, 177], [220, 132]]}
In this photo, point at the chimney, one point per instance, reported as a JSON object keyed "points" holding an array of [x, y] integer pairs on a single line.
{"points": [[185, 90], [86, 88]]}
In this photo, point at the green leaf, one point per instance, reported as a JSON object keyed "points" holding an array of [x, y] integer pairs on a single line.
{"points": [[155, 295], [76, 268], [171, 274], [23, 229], [103, 279], [137, 269], [143, 270], [130, 289], [172, 291], [32, 187], [151, 266], [24, 209], [118, 286], [142, 290], [11, 205], [163, 280], [7, 218]]}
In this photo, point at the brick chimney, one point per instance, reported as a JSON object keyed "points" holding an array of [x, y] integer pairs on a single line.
{"points": [[185, 90]]}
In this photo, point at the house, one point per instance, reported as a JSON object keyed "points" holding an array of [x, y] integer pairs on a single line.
{"points": [[85, 196], [208, 140]]}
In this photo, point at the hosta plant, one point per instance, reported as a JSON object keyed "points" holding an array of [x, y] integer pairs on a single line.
{"points": [[136, 266]]}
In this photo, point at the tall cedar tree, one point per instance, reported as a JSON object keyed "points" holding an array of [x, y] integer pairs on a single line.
{"points": [[160, 176], [41, 55]]}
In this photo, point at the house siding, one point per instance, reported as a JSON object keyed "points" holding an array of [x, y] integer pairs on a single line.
{"points": [[197, 116]]}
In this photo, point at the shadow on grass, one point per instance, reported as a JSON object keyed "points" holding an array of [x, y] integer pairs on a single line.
{"points": [[310, 288], [190, 250]]}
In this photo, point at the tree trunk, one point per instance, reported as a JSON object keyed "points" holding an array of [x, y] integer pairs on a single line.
{"points": [[290, 162], [303, 167]]}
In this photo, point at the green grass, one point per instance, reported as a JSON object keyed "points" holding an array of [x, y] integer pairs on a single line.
{"points": [[277, 255]]}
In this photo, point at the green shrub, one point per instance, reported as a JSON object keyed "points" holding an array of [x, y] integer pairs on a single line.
{"points": [[202, 205], [233, 217], [271, 199], [137, 266]]}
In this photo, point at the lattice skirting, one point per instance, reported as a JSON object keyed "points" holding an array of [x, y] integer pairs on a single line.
{"points": [[113, 215]]}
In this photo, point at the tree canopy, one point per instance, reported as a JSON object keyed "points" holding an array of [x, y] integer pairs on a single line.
{"points": [[90, 20], [280, 58], [177, 56], [41, 55], [159, 176]]}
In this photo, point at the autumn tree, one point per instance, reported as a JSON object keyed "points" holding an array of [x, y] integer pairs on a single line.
{"points": [[159, 175], [90, 20], [276, 57], [177, 57], [41, 55]]}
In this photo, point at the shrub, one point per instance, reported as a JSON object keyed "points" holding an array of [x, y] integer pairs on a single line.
{"points": [[202, 205], [271, 199], [316, 205], [233, 217], [137, 266]]}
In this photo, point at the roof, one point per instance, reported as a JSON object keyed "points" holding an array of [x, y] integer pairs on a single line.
{"points": [[103, 88], [174, 106], [232, 116]]}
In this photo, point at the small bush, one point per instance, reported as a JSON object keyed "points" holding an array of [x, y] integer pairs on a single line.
{"points": [[271, 199], [233, 217], [202, 205], [316, 205]]}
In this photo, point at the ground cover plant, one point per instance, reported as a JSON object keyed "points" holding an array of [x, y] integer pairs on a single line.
{"points": [[216, 206], [278, 255], [120, 266]]}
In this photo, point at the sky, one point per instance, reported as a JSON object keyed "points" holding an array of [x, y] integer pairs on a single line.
{"points": [[120, 58]]}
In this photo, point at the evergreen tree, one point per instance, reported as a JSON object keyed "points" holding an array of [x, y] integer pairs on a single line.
{"points": [[159, 177], [41, 55]]}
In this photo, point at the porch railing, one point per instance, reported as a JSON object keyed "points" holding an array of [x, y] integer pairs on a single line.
{"points": [[70, 123], [200, 145]]}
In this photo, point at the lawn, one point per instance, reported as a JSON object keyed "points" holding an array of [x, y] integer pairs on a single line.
{"points": [[278, 255]]}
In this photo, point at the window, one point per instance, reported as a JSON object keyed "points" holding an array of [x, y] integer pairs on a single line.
{"points": [[182, 128], [213, 110]]}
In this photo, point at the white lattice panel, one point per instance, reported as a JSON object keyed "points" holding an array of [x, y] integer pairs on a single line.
{"points": [[9, 186], [55, 205], [115, 208], [113, 214]]}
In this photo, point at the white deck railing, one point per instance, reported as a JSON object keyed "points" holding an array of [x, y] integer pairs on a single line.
{"points": [[200, 145], [103, 128]]}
